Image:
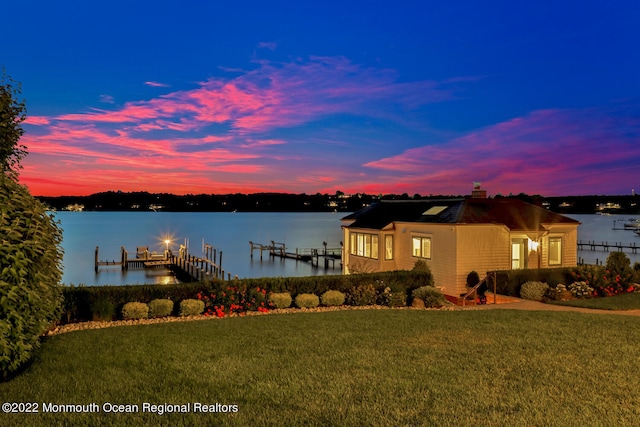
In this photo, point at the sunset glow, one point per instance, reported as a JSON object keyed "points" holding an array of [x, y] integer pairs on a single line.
{"points": [[385, 98]]}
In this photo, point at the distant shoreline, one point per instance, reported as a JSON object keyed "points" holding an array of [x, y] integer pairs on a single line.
{"points": [[286, 202]]}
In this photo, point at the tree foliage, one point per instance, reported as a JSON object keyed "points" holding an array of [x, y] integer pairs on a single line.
{"points": [[12, 114], [30, 274], [30, 251]]}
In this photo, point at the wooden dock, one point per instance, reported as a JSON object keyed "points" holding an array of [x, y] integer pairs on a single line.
{"points": [[313, 255], [207, 267], [592, 245]]}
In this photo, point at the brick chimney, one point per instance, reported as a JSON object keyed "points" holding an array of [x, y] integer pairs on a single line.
{"points": [[477, 193]]}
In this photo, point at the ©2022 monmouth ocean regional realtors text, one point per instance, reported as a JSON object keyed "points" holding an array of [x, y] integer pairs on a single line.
{"points": [[108, 407]]}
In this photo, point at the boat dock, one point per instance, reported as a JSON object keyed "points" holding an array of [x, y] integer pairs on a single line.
{"points": [[207, 267], [592, 245], [313, 255]]}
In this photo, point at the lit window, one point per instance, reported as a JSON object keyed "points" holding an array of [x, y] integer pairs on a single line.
{"points": [[421, 247], [388, 246], [555, 250], [364, 245], [374, 246]]}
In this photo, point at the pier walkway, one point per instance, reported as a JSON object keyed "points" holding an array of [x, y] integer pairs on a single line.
{"points": [[313, 255], [207, 267]]}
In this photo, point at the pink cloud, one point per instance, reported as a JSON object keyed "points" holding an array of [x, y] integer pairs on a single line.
{"points": [[37, 120], [156, 84], [549, 152]]}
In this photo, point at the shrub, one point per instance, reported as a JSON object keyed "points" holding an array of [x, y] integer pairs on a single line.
{"points": [[473, 279], [580, 290], [392, 299], [103, 309], [332, 298], [307, 301], [533, 290], [191, 307], [30, 272], [618, 262], [362, 295], [431, 296], [135, 310], [556, 293], [422, 267], [280, 299], [160, 308]]}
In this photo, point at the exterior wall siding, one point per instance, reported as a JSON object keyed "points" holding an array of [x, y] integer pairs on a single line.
{"points": [[443, 250], [482, 248]]}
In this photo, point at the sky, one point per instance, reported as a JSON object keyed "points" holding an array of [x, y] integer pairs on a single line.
{"points": [[427, 97]]}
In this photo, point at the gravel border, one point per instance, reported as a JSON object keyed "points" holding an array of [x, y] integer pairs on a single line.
{"points": [[81, 326]]}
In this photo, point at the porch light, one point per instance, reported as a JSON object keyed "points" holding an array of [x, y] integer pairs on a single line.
{"points": [[533, 245]]}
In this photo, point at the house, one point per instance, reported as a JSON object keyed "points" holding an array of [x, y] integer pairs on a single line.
{"points": [[457, 236]]}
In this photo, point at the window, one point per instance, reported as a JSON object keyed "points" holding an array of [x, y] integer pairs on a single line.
{"points": [[555, 250], [364, 245], [421, 247], [519, 257], [388, 246]]}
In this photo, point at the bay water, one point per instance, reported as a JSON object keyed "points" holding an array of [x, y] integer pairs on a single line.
{"points": [[231, 233]]}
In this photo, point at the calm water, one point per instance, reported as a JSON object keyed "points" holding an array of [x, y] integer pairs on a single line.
{"points": [[231, 233], [600, 229], [227, 232]]}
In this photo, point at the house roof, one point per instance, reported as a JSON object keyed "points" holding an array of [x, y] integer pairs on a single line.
{"points": [[513, 213]]}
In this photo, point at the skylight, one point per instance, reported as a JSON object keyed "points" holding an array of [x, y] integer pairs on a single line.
{"points": [[434, 210]]}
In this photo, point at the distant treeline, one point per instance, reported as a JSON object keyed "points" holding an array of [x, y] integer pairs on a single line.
{"points": [[285, 202]]}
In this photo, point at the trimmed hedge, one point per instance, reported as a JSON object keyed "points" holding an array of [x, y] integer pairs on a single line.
{"points": [[135, 310], [79, 300], [191, 307], [509, 282], [160, 308], [280, 299], [332, 298], [307, 301]]}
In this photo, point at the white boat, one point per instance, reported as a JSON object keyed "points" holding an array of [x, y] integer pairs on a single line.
{"points": [[632, 224]]}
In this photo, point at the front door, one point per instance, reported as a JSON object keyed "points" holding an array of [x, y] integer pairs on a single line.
{"points": [[519, 255]]}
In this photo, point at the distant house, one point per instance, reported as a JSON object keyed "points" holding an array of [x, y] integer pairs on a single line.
{"points": [[457, 236]]}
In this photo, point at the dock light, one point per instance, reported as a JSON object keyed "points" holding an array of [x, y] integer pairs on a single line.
{"points": [[166, 242]]}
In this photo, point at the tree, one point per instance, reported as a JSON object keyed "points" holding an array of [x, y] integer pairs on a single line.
{"points": [[12, 114], [30, 252]]}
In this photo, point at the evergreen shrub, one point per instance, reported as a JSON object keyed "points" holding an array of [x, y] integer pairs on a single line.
{"points": [[103, 309], [307, 301], [160, 308], [391, 298], [135, 310], [533, 290], [432, 297], [332, 298], [619, 263], [362, 295], [191, 307], [280, 299], [30, 274]]}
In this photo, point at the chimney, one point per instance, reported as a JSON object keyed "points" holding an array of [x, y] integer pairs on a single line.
{"points": [[477, 193]]}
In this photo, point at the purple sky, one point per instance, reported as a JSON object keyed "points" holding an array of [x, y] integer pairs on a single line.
{"points": [[377, 97]]}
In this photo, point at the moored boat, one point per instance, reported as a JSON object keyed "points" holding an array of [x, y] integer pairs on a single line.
{"points": [[632, 224]]}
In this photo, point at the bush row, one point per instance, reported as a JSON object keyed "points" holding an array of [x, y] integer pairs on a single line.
{"points": [[161, 308], [83, 303], [617, 276]]}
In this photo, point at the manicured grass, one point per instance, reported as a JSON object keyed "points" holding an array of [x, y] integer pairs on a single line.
{"points": [[629, 301], [370, 367]]}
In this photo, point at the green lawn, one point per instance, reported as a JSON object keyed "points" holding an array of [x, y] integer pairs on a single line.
{"points": [[629, 301], [370, 367]]}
